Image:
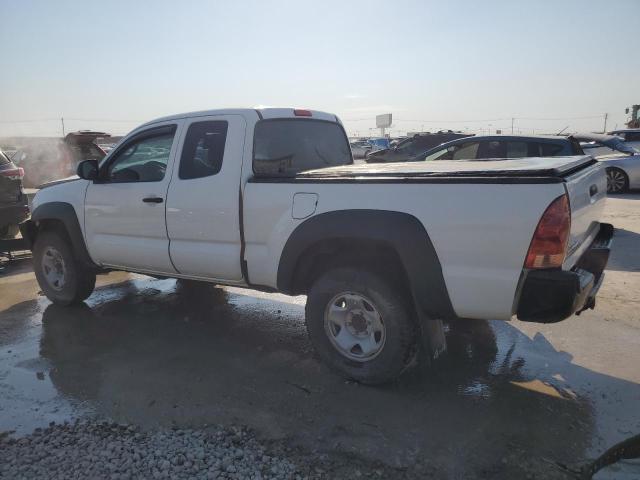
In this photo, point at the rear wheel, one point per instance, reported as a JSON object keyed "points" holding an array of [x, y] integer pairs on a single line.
{"points": [[360, 325], [63, 279], [617, 181]]}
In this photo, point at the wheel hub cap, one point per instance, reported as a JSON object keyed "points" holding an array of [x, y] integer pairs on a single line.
{"points": [[53, 268], [354, 326]]}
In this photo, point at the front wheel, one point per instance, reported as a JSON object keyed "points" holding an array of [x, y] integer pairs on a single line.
{"points": [[617, 181], [360, 325], [63, 279]]}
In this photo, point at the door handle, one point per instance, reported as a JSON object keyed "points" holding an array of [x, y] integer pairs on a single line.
{"points": [[152, 200]]}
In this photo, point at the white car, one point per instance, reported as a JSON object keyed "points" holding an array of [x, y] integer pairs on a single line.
{"points": [[270, 199], [622, 161]]}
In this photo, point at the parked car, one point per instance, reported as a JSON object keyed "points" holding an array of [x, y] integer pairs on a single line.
{"points": [[379, 143], [82, 145], [383, 253], [361, 148], [14, 207], [504, 146], [46, 159], [413, 149], [630, 136], [622, 161]]}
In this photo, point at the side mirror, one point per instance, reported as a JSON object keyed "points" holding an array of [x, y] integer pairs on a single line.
{"points": [[88, 169]]}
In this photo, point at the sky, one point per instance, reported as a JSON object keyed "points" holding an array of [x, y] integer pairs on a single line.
{"points": [[473, 65]]}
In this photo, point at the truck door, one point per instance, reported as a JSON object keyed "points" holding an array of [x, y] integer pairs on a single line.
{"points": [[125, 208], [203, 220]]}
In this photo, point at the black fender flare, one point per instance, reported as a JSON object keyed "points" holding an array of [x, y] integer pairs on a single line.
{"points": [[403, 232], [66, 214]]}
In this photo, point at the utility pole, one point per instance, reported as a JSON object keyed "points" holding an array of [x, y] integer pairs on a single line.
{"points": [[604, 130], [62, 120], [512, 119]]}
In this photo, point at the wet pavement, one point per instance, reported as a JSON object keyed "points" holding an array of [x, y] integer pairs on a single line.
{"points": [[508, 399]]}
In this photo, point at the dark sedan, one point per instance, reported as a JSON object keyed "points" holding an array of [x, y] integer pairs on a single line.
{"points": [[14, 207], [412, 149], [504, 146]]}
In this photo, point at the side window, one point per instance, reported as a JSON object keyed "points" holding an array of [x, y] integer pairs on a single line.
{"points": [[443, 154], [519, 149], [143, 159], [203, 149], [463, 151], [466, 151], [550, 149], [492, 149], [576, 147]]}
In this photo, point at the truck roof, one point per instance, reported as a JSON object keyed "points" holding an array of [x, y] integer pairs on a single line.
{"points": [[258, 113]]}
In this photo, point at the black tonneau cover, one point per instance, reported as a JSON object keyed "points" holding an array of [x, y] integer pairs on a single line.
{"points": [[521, 170]]}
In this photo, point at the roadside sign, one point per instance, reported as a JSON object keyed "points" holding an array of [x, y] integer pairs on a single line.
{"points": [[383, 121]]}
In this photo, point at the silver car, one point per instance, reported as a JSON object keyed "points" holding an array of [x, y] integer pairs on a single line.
{"points": [[631, 136], [621, 159]]}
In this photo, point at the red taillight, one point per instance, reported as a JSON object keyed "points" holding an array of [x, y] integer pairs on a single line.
{"points": [[14, 173], [302, 113], [549, 243]]}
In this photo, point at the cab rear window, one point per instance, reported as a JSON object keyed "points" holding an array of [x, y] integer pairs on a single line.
{"points": [[285, 147]]}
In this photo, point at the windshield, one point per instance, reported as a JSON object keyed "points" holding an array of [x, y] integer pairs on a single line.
{"points": [[615, 144], [284, 147], [625, 147]]}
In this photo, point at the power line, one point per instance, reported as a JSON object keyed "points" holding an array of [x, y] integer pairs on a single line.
{"points": [[107, 120]]}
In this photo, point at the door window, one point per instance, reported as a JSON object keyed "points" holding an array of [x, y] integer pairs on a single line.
{"points": [[142, 159], [550, 149], [466, 151], [463, 151], [442, 154], [492, 149], [518, 149], [203, 149]]}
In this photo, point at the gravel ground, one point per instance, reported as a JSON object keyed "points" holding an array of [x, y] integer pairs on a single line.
{"points": [[119, 452]]}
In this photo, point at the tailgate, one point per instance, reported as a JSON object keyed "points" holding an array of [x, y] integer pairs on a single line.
{"points": [[587, 190]]}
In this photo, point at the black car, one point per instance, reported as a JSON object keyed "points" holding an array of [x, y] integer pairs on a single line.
{"points": [[412, 149], [505, 146], [14, 207]]}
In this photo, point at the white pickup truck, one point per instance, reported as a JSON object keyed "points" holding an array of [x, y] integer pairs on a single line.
{"points": [[270, 199]]}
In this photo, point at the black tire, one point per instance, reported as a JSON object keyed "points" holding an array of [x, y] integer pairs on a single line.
{"points": [[617, 180], [79, 281], [395, 310]]}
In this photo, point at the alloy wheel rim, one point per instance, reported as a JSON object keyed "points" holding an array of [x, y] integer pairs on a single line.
{"points": [[615, 181], [53, 268], [354, 326]]}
